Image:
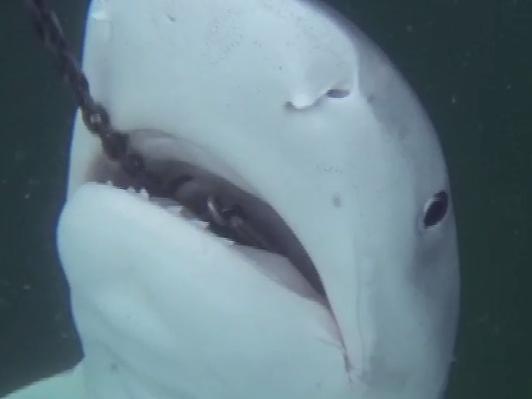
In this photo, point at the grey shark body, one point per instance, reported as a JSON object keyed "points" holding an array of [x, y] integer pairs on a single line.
{"points": [[293, 105]]}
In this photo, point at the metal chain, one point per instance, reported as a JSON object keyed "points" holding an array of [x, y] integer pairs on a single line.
{"points": [[94, 114], [228, 222], [96, 118]]}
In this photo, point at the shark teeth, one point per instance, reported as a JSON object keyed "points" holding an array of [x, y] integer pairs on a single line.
{"points": [[144, 193], [200, 223], [174, 208]]}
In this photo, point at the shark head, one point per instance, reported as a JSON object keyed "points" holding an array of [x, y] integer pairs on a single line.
{"points": [[290, 111]]}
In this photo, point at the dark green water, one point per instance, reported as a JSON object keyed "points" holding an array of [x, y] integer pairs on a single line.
{"points": [[471, 64]]}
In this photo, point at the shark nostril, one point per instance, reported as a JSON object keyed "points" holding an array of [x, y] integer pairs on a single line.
{"points": [[303, 102], [338, 93]]}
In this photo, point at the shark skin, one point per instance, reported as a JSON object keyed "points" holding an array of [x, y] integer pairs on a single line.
{"points": [[289, 101]]}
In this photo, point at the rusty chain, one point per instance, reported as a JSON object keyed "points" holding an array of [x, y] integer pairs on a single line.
{"points": [[94, 114], [96, 118], [229, 222]]}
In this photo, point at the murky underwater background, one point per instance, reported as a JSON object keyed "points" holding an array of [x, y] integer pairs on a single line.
{"points": [[471, 64]]}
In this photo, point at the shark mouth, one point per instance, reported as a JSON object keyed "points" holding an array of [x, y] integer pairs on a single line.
{"points": [[177, 174]]}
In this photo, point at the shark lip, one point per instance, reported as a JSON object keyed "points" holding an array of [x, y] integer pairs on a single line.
{"points": [[188, 176]]}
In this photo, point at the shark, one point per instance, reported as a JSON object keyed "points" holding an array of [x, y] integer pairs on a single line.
{"points": [[340, 279]]}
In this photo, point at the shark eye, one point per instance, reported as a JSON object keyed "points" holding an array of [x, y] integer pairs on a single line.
{"points": [[435, 209]]}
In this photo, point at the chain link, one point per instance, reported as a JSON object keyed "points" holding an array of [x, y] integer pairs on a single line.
{"points": [[230, 223], [94, 114]]}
